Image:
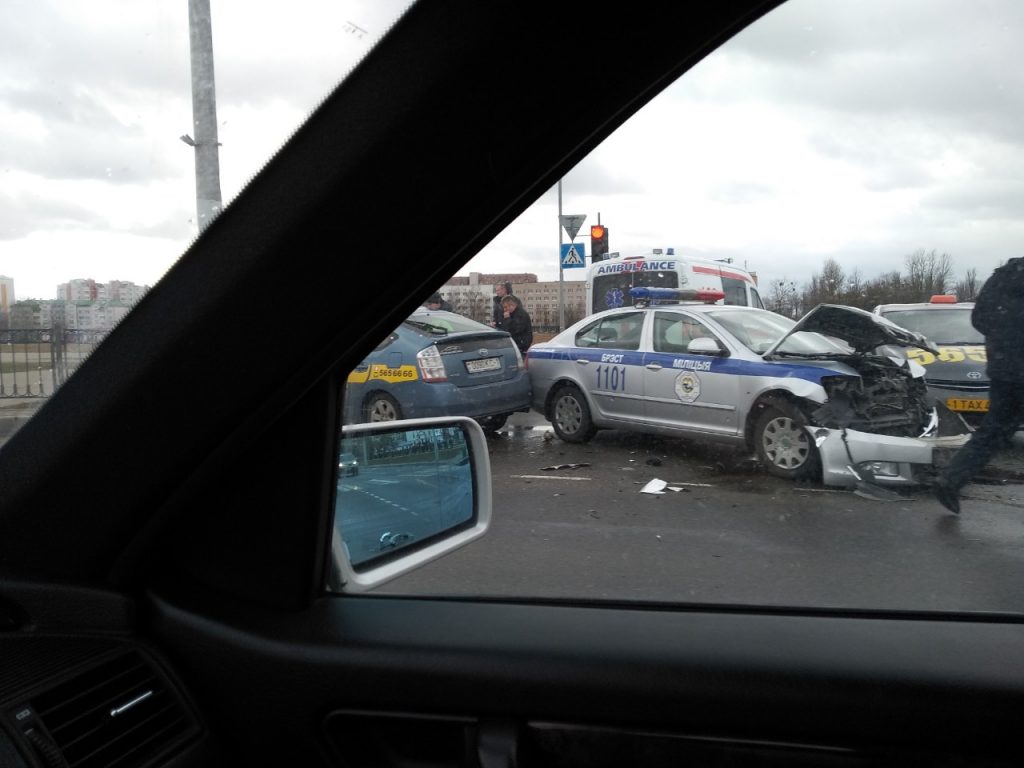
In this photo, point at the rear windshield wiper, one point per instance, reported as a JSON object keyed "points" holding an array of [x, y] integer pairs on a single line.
{"points": [[428, 327]]}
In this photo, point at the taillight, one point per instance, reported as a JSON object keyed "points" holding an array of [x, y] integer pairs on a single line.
{"points": [[431, 365]]}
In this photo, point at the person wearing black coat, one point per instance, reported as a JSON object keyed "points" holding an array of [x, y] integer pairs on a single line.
{"points": [[501, 290], [516, 321], [999, 314], [436, 301]]}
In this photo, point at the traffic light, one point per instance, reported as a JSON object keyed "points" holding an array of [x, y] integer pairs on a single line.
{"points": [[598, 242]]}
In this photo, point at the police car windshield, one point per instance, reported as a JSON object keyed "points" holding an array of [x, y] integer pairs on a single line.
{"points": [[946, 325], [809, 344], [757, 330]]}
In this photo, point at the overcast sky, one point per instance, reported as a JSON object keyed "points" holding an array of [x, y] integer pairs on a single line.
{"points": [[861, 130]]}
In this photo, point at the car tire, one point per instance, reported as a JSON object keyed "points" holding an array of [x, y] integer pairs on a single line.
{"points": [[492, 423], [570, 415], [381, 406], [783, 445]]}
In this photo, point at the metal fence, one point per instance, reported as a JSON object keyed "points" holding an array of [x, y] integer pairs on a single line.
{"points": [[34, 362]]}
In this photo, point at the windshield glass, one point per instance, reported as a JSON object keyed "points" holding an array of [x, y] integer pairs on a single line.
{"points": [[943, 326], [844, 152], [447, 321], [658, 463], [758, 331]]}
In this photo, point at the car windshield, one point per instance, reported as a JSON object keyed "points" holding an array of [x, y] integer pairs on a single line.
{"points": [[943, 326], [758, 331], [840, 152], [446, 322]]}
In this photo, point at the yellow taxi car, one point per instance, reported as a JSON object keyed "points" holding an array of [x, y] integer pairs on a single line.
{"points": [[956, 373]]}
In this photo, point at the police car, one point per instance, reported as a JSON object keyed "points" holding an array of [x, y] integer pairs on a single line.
{"points": [[833, 396], [956, 371]]}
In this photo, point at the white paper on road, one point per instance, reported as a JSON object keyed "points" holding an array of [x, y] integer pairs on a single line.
{"points": [[547, 477], [656, 486]]}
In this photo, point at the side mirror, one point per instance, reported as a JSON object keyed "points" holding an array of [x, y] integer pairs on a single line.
{"points": [[408, 492], [705, 345]]}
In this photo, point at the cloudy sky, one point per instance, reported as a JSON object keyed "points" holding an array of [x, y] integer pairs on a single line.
{"points": [[858, 130]]}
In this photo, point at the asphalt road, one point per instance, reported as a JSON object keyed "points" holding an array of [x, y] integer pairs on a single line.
{"points": [[731, 535]]}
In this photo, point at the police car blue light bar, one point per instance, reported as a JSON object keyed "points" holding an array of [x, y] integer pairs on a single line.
{"points": [[666, 295]]}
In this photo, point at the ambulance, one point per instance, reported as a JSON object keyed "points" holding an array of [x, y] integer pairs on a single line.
{"points": [[609, 281]]}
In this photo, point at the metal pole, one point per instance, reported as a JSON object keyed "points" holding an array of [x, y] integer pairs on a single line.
{"points": [[561, 290], [204, 113]]}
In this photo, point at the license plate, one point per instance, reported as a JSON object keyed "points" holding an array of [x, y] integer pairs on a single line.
{"points": [[972, 406], [487, 364]]}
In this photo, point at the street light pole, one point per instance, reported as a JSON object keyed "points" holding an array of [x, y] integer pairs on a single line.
{"points": [[204, 113], [561, 289]]}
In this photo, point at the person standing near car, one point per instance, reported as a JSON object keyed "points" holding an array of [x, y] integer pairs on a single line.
{"points": [[516, 321], [501, 290], [437, 302], [999, 314]]}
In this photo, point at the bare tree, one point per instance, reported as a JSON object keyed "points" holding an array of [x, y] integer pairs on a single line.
{"points": [[853, 292], [832, 281], [928, 273], [967, 289], [783, 297]]}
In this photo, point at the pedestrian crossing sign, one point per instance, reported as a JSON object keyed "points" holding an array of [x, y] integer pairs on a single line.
{"points": [[572, 255]]}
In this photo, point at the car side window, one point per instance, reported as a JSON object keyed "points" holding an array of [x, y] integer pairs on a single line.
{"points": [[735, 291], [673, 332], [589, 336], [617, 332]]}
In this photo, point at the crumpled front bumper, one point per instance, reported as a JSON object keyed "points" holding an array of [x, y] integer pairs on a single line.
{"points": [[849, 456]]}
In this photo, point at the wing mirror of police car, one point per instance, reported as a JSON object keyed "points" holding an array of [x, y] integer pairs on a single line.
{"points": [[705, 345]]}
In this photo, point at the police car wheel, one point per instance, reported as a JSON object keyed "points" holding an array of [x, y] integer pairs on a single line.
{"points": [[570, 416], [783, 445], [382, 407]]}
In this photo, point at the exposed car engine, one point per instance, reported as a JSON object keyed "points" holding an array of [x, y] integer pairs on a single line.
{"points": [[886, 399]]}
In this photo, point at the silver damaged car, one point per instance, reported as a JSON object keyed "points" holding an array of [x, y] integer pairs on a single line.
{"points": [[831, 397]]}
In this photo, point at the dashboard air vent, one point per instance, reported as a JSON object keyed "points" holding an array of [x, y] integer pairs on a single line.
{"points": [[122, 713]]}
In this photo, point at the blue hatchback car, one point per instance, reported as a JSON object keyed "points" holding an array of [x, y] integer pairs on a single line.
{"points": [[439, 363]]}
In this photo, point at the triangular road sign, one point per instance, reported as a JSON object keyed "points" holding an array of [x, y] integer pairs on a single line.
{"points": [[571, 223]]}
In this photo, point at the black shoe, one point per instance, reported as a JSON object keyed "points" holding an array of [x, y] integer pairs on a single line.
{"points": [[947, 497]]}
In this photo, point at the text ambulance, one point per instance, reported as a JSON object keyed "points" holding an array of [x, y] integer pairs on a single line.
{"points": [[609, 281]]}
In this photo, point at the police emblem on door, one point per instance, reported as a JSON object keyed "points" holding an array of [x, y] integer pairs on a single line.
{"points": [[687, 387]]}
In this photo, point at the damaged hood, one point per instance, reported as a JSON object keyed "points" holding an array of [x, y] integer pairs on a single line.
{"points": [[861, 330]]}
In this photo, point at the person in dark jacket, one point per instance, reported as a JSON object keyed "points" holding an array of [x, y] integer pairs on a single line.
{"points": [[437, 301], [999, 314], [501, 290], [516, 321]]}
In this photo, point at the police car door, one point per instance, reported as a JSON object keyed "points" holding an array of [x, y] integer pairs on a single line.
{"points": [[685, 390], [611, 366]]}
